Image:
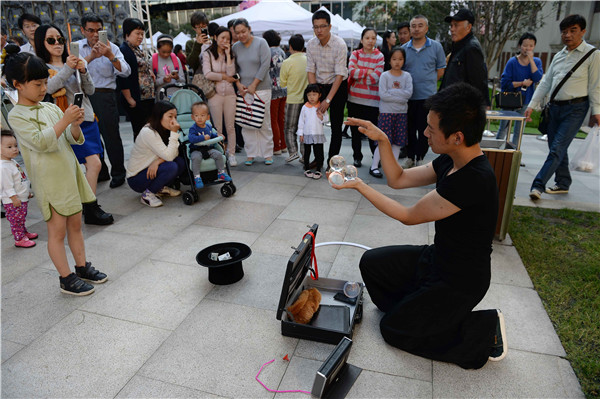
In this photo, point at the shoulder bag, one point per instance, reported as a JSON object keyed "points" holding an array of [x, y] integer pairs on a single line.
{"points": [[250, 115], [206, 85]]}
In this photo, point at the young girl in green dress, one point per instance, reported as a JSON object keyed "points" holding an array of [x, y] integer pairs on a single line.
{"points": [[45, 134]]}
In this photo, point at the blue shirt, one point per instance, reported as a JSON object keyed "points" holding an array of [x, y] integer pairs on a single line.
{"points": [[515, 72], [102, 71], [196, 134], [422, 64]]}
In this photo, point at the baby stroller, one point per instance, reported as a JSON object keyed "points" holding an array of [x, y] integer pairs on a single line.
{"points": [[183, 98]]}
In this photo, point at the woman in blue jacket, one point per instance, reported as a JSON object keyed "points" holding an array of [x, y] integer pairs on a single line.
{"points": [[521, 73]]}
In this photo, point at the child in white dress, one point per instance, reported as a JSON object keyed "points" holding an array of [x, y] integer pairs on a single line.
{"points": [[310, 130]]}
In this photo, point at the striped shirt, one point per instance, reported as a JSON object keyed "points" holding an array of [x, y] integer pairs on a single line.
{"points": [[363, 86], [327, 61]]}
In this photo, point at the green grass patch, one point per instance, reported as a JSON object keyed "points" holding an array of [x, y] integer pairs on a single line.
{"points": [[561, 252]]}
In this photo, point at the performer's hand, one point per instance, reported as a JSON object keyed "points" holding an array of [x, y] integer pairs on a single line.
{"points": [[347, 184], [367, 128]]}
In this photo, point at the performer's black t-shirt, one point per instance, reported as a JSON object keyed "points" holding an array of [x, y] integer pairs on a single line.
{"points": [[463, 241]]}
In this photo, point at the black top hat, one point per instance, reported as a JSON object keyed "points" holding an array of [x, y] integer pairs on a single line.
{"points": [[226, 271], [461, 15]]}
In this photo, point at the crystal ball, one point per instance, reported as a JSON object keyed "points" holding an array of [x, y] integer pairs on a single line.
{"points": [[351, 289], [336, 178], [350, 172], [337, 163]]}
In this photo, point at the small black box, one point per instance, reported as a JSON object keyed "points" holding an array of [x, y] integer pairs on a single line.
{"points": [[334, 319]]}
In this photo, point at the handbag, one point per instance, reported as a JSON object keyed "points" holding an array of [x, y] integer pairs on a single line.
{"points": [[206, 85], [509, 99], [543, 125], [250, 115]]}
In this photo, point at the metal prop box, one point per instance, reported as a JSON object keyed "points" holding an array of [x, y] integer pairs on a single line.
{"points": [[334, 319]]}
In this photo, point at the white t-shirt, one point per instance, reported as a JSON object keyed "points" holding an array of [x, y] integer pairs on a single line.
{"points": [[14, 182]]}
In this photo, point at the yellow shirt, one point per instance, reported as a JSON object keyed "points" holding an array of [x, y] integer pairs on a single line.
{"points": [[293, 76]]}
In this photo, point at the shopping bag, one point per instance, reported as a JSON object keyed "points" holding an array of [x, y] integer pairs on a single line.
{"points": [[250, 114], [586, 158]]}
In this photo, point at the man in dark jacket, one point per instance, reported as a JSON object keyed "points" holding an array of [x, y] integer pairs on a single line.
{"points": [[466, 63]]}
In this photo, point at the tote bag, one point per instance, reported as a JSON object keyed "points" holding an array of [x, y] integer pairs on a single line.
{"points": [[250, 115]]}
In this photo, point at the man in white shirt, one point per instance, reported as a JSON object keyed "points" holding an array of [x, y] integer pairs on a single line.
{"points": [[569, 106], [28, 23], [105, 63]]}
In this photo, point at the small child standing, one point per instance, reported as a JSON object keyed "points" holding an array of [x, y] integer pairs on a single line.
{"points": [[15, 191], [198, 133], [395, 89], [310, 130], [45, 134]]}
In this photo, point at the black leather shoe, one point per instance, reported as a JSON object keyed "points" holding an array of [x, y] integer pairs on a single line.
{"points": [[117, 181], [375, 173], [93, 214], [357, 163], [238, 149], [103, 176], [403, 153]]}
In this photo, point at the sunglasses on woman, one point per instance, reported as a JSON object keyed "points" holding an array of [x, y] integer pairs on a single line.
{"points": [[52, 41]]}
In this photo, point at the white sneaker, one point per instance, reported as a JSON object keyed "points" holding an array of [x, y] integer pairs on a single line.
{"points": [[292, 157], [420, 162], [278, 152], [543, 137], [232, 160], [171, 192], [409, 163], [487, 133], [150, 199]]}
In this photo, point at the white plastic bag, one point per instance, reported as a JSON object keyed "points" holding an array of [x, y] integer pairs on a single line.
{"points": [[587, 157]]}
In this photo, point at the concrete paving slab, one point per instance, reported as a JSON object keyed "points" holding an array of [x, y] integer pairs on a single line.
{"points": [[268, 193], [508, 268], [142, 387], [325, 212], [377, 385], [282, 235], [528, 326], [519, 375], [299, 375], [262, 282], [366, 208], [17, 261], [33, 303], [223, 363], [379, 231], [157, 294], [183, 247], [345, 267], [9, 348], [84, 355], [321, 189], [241, 215], [299, 180]]}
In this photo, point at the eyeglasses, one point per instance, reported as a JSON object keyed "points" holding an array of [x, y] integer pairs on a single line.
{"points": [[92, 31], [52, 41], [320, 27]]}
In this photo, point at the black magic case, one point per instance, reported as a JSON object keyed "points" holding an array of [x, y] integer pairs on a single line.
{"points": [[334, 319]]}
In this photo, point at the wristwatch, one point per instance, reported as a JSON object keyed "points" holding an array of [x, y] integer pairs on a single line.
{"points": [[114, 59], [328, 101]]}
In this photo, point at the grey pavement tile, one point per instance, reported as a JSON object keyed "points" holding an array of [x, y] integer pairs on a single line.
{"points": [[379, 231], [528, 326], [17, 261], [33, 303], [262, 282], [366, 208], [345, 267], [508, 268], [223, 363], [9, 348], [241, 215], [371, 352], [379, 385], [281, 235], [157, 294], [84, 355], [299, 180], [321, 189], [321, 211], [241, 177], [519, 375], [142, 387], [119, 201], [183, 247], [299, 375], [268, 193], [413, 192]]}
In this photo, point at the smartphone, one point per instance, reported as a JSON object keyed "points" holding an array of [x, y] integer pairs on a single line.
{"points": [[204, 31], [74, 46], [236, 76], [340, 296], [103, 36], [78, 100]]}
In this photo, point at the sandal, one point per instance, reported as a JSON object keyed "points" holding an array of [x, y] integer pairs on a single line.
{"points": [[249, 162], [268, 161], [309, 174], [317, 175]]}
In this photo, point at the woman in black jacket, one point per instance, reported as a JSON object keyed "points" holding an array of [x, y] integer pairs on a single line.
{"points": [[137, 90]]}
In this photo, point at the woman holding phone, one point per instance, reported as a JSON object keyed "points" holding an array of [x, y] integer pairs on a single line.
{"points": [[137, 89], [218, 65], [51, 46]]}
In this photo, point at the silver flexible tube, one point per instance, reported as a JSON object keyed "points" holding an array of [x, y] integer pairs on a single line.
{"points": [[351, 244]]}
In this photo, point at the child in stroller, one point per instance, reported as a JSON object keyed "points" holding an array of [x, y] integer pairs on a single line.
{"points": [[202, 130]]}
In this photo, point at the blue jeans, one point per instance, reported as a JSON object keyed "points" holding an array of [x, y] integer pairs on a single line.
{"points": [[563, 125], [503, 129], [166, 173]]}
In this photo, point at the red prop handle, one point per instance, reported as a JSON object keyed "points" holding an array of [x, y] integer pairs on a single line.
{"points": [[314, 273]]}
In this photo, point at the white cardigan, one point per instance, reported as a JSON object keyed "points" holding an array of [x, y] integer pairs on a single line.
{"points": [[148, 147]]}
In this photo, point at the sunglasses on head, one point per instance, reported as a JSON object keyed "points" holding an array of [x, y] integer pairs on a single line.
{"points": [[51, 41]]}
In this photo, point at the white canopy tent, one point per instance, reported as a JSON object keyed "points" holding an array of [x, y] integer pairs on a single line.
{"points": [[181, 39]]}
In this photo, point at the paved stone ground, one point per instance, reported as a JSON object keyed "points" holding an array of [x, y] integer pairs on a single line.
{"points": [[158, 328]]}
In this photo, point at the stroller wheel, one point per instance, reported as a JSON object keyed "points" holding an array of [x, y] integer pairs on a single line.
{"points": [[226, 190], [188, 198]]}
